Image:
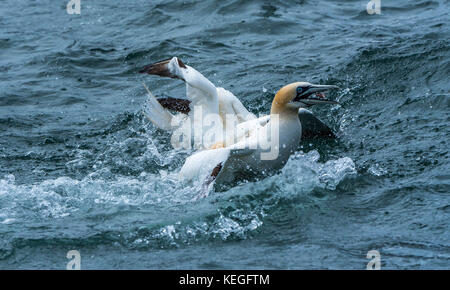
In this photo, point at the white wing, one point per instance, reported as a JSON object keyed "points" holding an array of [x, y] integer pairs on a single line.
{"points": [[204, 96], [156, 113], [199, 166], [230, 104], [199, 89]]}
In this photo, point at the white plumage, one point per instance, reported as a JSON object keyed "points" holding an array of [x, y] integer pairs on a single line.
{"points": [[256, 148]]}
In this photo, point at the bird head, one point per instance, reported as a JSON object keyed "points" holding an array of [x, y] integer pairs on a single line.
{"points": [[302, 94]]}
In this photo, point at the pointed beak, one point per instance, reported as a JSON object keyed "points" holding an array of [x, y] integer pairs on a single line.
{"points": [[317, 95]]}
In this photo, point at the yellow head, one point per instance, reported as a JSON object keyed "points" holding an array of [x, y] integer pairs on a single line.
{"points": [[300, 94]]}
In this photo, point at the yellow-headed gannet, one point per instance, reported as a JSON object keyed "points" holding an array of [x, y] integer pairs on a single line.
{"points": [[248, 159]]}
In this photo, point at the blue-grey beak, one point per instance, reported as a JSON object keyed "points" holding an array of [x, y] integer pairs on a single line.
{"points": [[316, 95]]}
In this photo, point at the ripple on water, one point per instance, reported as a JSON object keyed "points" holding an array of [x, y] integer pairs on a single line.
{"points": [[228, 216]]}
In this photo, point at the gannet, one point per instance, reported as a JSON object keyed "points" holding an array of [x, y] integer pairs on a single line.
{"points": [[201, 93], [245, 160]]}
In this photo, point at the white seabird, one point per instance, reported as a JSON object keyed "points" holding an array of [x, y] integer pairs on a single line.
{"points": [[225, 167], [201, 93]]}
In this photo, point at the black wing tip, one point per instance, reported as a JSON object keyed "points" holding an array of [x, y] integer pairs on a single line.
{"points": [[155, 68], [174, 104], [181, 64], [145, 69]]}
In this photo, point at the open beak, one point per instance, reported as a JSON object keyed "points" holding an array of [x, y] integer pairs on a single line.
{"points": [[317, 95]]}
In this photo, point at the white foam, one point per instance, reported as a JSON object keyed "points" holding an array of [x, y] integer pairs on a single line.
{"points": [[66, 196], [63, 196], [304, 172], [377, 170]]}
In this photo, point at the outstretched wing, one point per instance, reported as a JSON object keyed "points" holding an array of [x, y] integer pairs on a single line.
{"points": [[156, 113], [233, 169], [198, 88]]}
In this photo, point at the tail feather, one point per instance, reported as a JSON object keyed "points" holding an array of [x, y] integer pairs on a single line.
{"points": [[156, 113]]}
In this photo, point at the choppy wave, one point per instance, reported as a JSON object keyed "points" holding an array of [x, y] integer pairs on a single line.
{"points": [[101, 195], [81, 168]]}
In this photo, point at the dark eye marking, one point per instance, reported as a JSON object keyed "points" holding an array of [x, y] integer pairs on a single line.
{"points": [[301, 90]]}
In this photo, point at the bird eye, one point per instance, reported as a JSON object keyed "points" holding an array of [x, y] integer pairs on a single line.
{"points": [[301, 92]]}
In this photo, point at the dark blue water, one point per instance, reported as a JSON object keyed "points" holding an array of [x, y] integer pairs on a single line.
{"points": [[82, 169]]}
